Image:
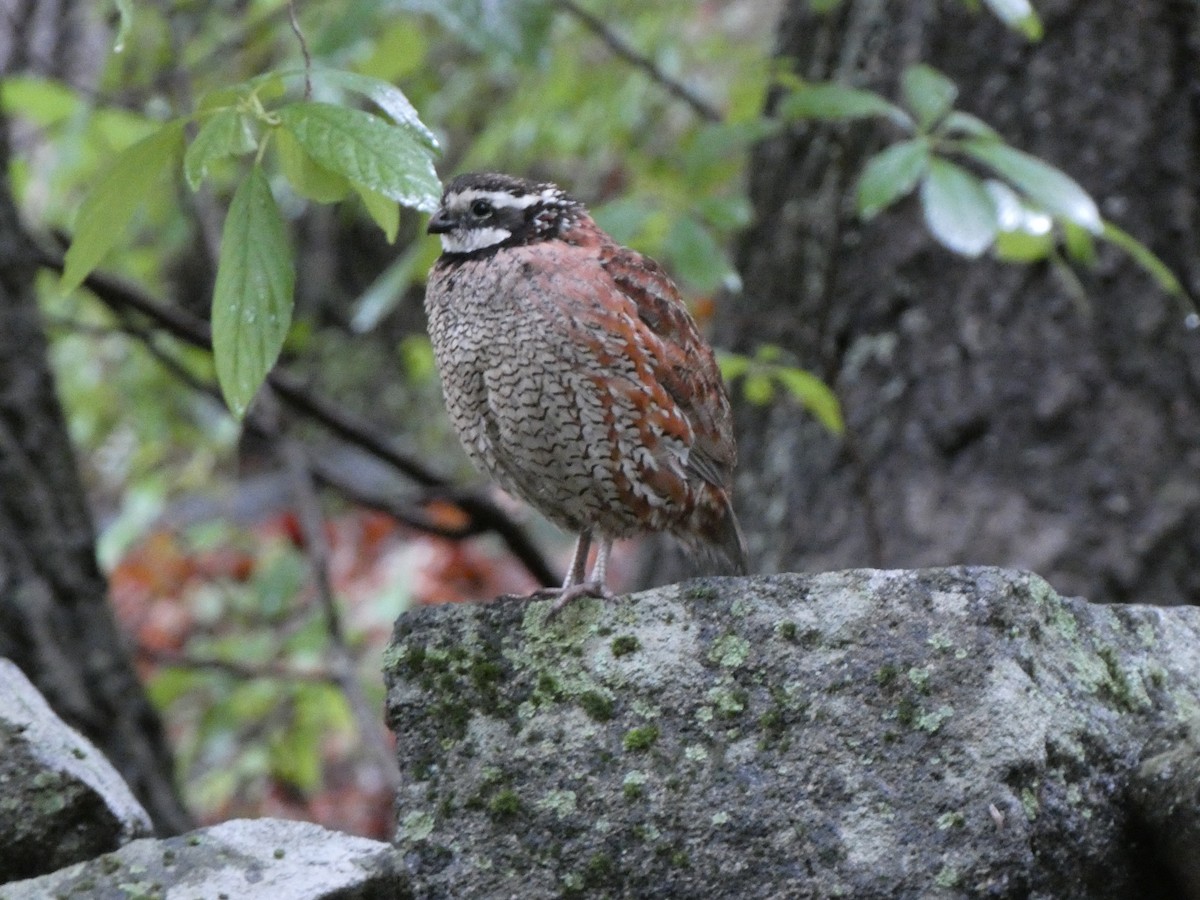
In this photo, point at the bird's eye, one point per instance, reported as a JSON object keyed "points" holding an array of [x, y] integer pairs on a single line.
{"points": [[481, 209]]}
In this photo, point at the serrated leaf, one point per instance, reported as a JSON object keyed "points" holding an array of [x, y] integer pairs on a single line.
{"points": [[1045, 185], [835, 102], [307, 178], [387, 97], [107, 211], [928, 93], [1145, 258], [383, 210], [225, 133], [958, 210], [890, 175], [815, 395], [366, 150], [252, 299], [1018, 15]]}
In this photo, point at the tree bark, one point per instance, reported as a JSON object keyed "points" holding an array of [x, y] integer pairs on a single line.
{"points": [[993, 417], [55, 622]]}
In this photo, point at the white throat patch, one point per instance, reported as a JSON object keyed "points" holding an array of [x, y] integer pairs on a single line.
{"points": [[468, 240]]}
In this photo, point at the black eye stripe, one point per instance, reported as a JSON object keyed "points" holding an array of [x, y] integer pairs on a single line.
{"points": [[482, 207]]}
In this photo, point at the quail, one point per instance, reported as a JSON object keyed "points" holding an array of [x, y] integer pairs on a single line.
{"points": [[575, 376]]}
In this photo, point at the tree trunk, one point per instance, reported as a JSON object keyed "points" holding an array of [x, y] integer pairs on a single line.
{"points": [[992, 416], [55, 622]]}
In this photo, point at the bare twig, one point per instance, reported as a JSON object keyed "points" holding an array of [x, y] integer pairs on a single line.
{"points": [[620, 47], [295, 23]]}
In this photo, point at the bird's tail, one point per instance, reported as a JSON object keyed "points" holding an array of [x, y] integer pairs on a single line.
{"points": [[719, 536]]}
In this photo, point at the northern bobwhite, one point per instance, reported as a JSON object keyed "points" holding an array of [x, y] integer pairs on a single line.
{"points": [[574, 375]]}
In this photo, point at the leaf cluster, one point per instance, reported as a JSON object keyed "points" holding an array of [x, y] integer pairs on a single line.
{"points": [[1021, 208], [325, 152]]}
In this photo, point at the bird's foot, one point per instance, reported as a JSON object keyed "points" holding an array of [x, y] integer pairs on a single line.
{"points": [[584, 589], [562, 596]]}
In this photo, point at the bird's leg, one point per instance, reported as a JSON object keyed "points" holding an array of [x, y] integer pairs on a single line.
{"points": [[593, 587], [600, 569], [579, 559], [575, 573]]}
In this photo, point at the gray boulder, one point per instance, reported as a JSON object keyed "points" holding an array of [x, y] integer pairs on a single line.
{"points": [[944, 733], [243, 859], [61, 801]]}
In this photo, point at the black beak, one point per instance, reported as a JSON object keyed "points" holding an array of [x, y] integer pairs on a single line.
{"points": [[441, 223]]}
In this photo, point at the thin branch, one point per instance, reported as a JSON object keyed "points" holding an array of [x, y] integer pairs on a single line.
{"points": [[303, 49], [620, 47]]}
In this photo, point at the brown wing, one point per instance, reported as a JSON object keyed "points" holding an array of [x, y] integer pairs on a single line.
{"points": [[685, 367], [661, 415]]}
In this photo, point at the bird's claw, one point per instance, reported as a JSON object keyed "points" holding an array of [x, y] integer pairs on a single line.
{"points": [[574, 592]]}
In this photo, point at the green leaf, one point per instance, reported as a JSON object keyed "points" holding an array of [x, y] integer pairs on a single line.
{"points": [[890, 175], [1080, 246], [1145, 258], [1039, 181], [41, 100], [107, 211], [958, 122], [226, 133], [1018, 15], [383, 210], [758, 389], [387, 97], [624, 217], [928, 93], [695, 255], [957, 208], [815, 395], [732, 365], [416, 351], [366, 150], [835, 102], [1026, 234], [252, 300], [1022, 246], [307, 178], [124, 23]]}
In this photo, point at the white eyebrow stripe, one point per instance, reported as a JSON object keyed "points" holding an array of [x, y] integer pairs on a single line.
{"points": [[505, 199], [497, 198]]}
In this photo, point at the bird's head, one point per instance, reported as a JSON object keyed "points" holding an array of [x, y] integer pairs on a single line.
{"points": [[483, 211]]}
